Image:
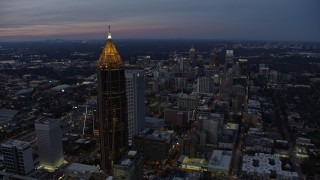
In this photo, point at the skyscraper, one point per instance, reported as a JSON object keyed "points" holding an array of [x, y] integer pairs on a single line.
{"points": [[244, 66], [214, 58], [49, 140], [17, 157], [112, 106], [135, 97], [192, 55], [229, 58]]}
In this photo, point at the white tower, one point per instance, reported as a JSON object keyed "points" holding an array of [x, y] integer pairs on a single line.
{"points": [[135, 88], [49, 140]]}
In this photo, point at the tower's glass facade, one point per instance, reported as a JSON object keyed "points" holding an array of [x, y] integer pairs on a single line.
{"points": [[112, 106]]}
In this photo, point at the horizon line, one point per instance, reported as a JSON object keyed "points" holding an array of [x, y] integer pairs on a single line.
{"points": [[157, 39]]}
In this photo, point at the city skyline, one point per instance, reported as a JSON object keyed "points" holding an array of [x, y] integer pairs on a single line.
{"points": [[289, 20]]}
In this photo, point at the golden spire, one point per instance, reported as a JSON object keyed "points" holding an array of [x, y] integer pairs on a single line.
{"points": [[110, 58], [109, 33], [192, 49]]}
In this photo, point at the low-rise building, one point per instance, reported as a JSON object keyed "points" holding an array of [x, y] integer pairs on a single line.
{"points": [[220, 161], [80, 171], [130, 167], [154, 144], [265, 166], [17, 157]]}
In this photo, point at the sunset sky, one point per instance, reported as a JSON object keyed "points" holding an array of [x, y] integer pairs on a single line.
{"points": [[154, 19]]}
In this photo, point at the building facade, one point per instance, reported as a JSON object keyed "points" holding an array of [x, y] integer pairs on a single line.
{"points": [[135, 89], [205, 85], [188, 101], [229, 58], [112, 106], [17, 157], [192, 55], [130, 167], [49, 141], [153, 144]]}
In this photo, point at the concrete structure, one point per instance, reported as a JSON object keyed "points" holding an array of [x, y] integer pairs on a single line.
{"points": [[61, 88], [154, 123], [135, 88], [220, 162], [214, 59], [193, 164], [130, 167], [210, 127], [80, 171], [6, 176], [176, 116], [49, 141], [255, 143], [6, 117], [211, 124], [188, 101], [180, 83], [273, 76], [244, 66], [190, 144], [17, 157], [192, 55], [205, 85], [153, 144], [229, 58], [262, 166], [228, 136]]}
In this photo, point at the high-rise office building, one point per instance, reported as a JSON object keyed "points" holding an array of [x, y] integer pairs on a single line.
{"points": [[205, 85], [49, 141], [135, 98], [214, 59], [17, 157], [112, 106], [192, 55], [244, 69], [229, 58]]}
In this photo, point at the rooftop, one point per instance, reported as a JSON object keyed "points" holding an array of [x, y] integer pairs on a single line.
{"points": [[61, 87], [7, 114], [46, 121], [129, 159], [15, 143], [156, 134], [262, 164], [81, 168], [220, 160]]}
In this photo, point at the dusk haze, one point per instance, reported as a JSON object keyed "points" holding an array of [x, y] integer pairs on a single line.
{"points": [[290, 20]]}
